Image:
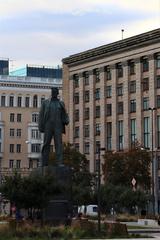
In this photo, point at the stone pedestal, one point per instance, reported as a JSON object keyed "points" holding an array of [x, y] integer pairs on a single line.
{"points": [[59, 210]]}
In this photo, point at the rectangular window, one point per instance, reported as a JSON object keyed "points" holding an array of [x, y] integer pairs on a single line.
{"points": [[35, 148], [27, 99], [145, 103], [108, 73], [145, 64], [76, 146], [120, 135], [3, 101], [97, 75], [119, 70], [97, 146], [120, 90], [76, 80], [76, 132], [158, 101], [35, 117], [19, 101], [158, 160], [86, 148], [86, 78], [35, 134], [158, 131], [86, 113], [158, 81], [133, 105], [19, 117], [86, 130], [109, 136], [0, 147], [86, 96], [76, 98], [19, 131], [18, 148], [158, 61], [109, 91], [97, 112], [30, 163], [76, 115], [0, 133], [133, 132], [97, 93], [11, 163], [120, 108], [11, 101], [18, 164], [145, 84], [97, 129], [11, 132], [11, 148], [132, 87], [109, 109], [146, 132], [131, 67], [11, 117]]}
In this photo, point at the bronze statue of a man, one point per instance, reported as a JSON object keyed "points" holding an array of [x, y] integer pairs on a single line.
{"points": [[52, 121]]}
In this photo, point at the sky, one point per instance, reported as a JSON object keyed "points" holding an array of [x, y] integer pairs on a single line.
{"points": [[43, 32]]}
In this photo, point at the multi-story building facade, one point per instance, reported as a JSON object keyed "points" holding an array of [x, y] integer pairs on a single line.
{"points": [[20, 140], [108, 91]]}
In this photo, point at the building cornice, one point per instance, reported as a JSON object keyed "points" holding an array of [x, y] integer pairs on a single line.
{"points": [[134, 42]]}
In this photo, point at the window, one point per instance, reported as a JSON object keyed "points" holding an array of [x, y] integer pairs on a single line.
{"points": [[76, 132], [86, 147], [18, 164], [108, 73], [35, 148], [131, 67], [97, 129], [109, 91], [145, 103], [3, 101], [120, 135], [86, 96], [19, 117], [11, 117], [145, 64], [11, 101], [158, 101], [19, 132], [158, 61], [133, 131], [76, 115], [27, 99], [86, 130], [35, 134], [35, 117], [146, 132], [120, 107], [158, 160], [30, 163], [19, 101], [133, 105], [76, 80], [42, 99], [120, 90], [158, 81], [132, 87], [18, 148], [97, 146], [76, 146], [86, 78], [158, 131], [145, 83], [11, 148], [119, 70], [86, 113], [97, 75], [109, 109], [97, 111], [76, 98], [0, 133], [35, 101], [109, 136], [11, 163], [97, 94], [0, 148], [11, 132]]}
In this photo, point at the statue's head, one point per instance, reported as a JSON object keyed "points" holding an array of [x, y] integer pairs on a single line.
{"points": [[54, 92]]}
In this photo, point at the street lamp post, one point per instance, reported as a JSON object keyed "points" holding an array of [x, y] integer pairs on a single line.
{"points": [[98, 188], [153, 165]]}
